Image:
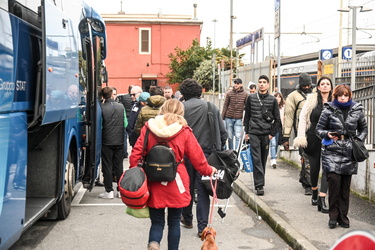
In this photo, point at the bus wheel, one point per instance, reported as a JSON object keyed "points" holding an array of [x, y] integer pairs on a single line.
{"points": [[64, 204]]}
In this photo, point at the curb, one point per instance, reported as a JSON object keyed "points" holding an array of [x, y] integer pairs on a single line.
{"points": [[292, 237]]}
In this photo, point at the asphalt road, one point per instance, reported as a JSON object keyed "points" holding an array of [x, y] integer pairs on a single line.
{"points": [[103, 224]]}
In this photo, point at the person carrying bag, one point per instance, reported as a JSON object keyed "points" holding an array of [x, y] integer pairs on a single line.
{"points": [[225, 161]]}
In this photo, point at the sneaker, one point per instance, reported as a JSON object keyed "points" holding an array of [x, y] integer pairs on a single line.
{"points": [[153, 245], [106, 195], [199, 234], [185, 223], [273, 163], [260, 190], [119, 194], [308, 191]]}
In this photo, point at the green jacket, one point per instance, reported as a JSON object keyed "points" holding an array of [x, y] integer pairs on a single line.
{"points": [[151, 110]]}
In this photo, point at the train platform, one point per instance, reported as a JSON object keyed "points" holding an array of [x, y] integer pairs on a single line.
{"points": [[289, 212]]}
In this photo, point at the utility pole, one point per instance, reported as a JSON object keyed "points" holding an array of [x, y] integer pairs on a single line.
{"points": [[231, 42]]}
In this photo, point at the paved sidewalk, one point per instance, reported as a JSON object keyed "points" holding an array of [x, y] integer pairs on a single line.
{"points": [[290, 213]]}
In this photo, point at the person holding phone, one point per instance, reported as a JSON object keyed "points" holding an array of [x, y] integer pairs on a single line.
{"points": [[337, 151], [309, 141]]}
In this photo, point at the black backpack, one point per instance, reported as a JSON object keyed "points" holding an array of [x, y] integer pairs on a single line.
{"points": [[160, 162]]}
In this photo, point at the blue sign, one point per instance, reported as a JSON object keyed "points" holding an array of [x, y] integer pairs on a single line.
{"points": [[347, 53], [326, 54]]}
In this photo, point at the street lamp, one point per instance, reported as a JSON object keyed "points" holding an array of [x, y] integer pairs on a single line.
{"points": [[354, 38]]}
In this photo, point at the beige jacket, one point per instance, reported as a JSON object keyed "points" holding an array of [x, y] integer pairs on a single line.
{"points": [[304, 120]]}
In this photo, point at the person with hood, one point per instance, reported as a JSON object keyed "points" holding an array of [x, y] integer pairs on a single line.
{"points": [[233, 112], [170, 125], [337, 150], [151, 110], [262, 120], [293, 106]]}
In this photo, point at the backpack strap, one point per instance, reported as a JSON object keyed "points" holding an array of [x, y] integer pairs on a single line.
{"points": [[295, 112], [211, 123], [145, 141]]}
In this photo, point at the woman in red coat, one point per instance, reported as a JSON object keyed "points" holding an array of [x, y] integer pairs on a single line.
{"points": [[171, 126]]}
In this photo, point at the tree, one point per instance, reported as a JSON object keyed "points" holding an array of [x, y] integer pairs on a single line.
{"points": [[195, 62], [184, 62]]}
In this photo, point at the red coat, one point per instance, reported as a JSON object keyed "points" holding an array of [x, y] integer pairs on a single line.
{"points": [[183, 144]]}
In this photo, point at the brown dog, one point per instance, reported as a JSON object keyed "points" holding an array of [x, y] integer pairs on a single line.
{"points": [[208, 236]]}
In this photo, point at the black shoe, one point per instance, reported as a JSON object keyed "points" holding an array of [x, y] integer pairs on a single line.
{"points": [[332, 223], [314, 198], [185, 223], [343, 224], [259, 190], [99, 184], [308, 191], [322, 207], [85, 184]]}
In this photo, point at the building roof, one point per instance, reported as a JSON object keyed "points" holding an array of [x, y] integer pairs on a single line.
{"points": [[151, 18]]}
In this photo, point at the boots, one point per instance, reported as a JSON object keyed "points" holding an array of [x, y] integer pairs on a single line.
{"points": [[314, 198], [322, 205]]}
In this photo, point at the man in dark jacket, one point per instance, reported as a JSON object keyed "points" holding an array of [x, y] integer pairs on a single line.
{"points": [[197, 118], [113, 125], [233, 112], [262, 118], [126, 100]]}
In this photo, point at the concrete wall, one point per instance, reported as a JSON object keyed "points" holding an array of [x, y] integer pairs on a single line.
{"points": [[363, 183]]}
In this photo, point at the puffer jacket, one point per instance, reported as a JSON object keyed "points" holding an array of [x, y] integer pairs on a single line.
{"points": [[234, 104], [149, 111], [254, 122], [338, 157], [174, 194]]}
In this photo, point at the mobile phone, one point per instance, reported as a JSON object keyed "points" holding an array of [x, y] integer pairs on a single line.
{"points": [[335, 134]]}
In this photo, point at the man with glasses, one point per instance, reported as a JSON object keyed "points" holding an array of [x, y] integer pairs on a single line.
{"points": [[233, 112], [135, 92]]}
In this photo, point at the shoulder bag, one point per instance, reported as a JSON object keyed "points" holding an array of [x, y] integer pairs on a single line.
{"points": [[225, 161], [360, 152]]}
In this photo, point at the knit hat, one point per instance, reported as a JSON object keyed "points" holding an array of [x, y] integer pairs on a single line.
{"points": [[238, 80], [304, 80], [143, 97]]}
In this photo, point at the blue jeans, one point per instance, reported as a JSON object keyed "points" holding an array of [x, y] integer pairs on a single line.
{"points": [[157, 217], [274, 145], [234, 128]]}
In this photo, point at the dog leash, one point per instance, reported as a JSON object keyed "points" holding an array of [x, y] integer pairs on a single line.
{"points": [[214, 200]]}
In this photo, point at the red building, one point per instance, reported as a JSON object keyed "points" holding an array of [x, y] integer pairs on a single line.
{"points": [[139, 45]]}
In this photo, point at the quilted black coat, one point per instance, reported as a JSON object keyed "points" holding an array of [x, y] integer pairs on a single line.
{"points": [[338, 157]]}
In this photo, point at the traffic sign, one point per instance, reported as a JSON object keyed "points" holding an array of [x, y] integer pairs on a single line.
{"points": [[326, 54], [347, 53]]}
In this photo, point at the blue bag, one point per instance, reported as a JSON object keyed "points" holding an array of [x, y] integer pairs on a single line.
{"points": [[247, 159]]}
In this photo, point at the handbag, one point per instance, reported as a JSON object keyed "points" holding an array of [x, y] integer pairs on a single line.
{"points": [[360, 152], [133, 188], [225, 161], [247, 159]]}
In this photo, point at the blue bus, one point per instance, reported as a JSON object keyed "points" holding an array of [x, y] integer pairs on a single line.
{"points": [[51, 71]]}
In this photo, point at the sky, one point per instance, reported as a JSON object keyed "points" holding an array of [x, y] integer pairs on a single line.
{"points": [[318, 19]]}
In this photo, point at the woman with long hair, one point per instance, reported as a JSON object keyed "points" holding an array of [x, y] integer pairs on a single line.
{"points": [[170, 126], [337, 151], [307, 138], [275, 141]]}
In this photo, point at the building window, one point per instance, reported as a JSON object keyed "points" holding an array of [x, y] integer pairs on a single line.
{"points": [[145, 41]]}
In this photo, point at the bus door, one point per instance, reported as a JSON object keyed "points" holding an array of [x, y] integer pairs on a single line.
{"points": [[60, 56]]}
